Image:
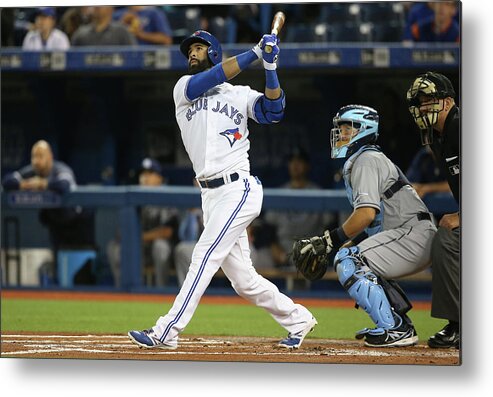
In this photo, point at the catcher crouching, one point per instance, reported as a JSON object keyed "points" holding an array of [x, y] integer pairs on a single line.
{"points": [[388, 235]]}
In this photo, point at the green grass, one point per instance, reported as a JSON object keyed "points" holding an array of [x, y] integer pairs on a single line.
{"points": [[242, 320]]}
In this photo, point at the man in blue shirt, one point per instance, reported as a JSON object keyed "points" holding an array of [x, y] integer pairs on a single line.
{"points": [[148, 24], [441, 26]]}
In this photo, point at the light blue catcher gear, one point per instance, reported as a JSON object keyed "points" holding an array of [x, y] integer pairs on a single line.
{"points": [[362, 285], [364, 119]]}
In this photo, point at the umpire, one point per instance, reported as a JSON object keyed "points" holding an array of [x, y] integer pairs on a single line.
{"points": [[432, 105]]}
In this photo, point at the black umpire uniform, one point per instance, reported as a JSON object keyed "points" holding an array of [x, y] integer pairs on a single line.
{"points": [[427, 98], [445, 251]]}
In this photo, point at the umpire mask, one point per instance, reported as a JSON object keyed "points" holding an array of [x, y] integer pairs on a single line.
{"points": [[425, 101]]}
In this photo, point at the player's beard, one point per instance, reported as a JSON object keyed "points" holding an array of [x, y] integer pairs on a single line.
{"points": [[198, 67]]}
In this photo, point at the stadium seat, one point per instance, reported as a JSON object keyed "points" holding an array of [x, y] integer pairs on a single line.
{"points": [[384, 32], [347, 32], [339, 12], [382, 12], [301, 33]]}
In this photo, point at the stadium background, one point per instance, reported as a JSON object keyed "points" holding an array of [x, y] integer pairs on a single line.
{"points": [[103, 120]]}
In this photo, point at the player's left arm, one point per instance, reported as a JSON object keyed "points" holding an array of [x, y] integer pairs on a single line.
{"points": [[222, 72], [269, 108]]}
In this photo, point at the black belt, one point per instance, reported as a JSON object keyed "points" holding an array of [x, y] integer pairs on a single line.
{"points": [[423, 216], [214, 183]]}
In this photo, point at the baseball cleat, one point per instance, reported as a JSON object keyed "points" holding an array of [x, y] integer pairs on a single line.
{"points": [[294, 341], [403, 336], [448, 337], [148, 339]]}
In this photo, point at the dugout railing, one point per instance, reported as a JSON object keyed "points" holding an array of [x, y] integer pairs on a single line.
{"points": [[127, 200]]}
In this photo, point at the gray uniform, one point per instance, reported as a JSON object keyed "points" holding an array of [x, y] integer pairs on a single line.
{"points": [[403, 246]]}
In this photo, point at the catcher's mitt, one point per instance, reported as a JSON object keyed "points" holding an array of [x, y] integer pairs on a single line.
{"points": [[311, 265]]}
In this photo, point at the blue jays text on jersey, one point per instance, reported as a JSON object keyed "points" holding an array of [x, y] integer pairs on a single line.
{"points": [[226, 109]]}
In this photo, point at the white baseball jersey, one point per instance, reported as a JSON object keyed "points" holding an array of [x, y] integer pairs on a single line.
{"points": [[214, 127], [57, 40]]}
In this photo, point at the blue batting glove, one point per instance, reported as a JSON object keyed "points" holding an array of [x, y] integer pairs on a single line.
{"points": [[270, 58]]}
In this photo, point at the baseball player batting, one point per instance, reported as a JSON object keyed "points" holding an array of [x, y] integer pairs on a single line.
{"points": [[388, 235], [213, 118]]}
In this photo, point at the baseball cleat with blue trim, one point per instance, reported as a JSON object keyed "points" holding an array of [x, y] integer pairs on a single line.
{"points": [[148, 339], [294, 341]]}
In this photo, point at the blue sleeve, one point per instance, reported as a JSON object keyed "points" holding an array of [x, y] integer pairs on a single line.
{"points": [[204, 81], [201, 82], [271, 80]]}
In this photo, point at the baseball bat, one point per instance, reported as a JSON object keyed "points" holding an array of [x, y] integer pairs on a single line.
{"points": [[277, 24]]}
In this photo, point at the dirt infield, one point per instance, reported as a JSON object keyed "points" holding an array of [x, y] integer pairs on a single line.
{"points": [[208, 348], [243, 349]]}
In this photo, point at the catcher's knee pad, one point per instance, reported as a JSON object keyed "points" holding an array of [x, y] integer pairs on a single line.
{"points": [[362, 285]]}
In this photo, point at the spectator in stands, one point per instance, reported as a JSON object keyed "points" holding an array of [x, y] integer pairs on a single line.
{"points": [[425, 175], [290, 225], [148, 24], [440, 26], [416, 12], [45, 36], [68, 227], [75, 17], [44, 173], [102, 31], [159, 225]]}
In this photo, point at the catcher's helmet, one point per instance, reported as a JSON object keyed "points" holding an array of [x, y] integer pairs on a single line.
{"points": [[214, 51], [430, 87], [364, 121]]}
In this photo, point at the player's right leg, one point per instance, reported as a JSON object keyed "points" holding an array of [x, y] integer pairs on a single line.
{"points": [[382, 300]]}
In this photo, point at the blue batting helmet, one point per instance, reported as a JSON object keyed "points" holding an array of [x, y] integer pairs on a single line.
{"points": [[214, 50], [364, 123]]}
